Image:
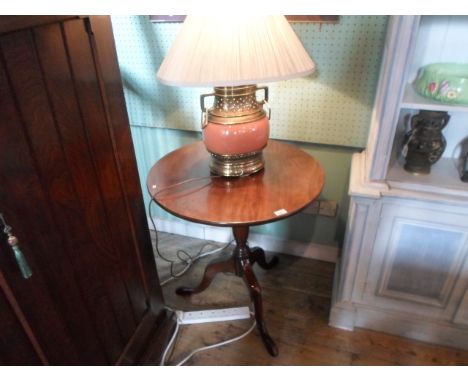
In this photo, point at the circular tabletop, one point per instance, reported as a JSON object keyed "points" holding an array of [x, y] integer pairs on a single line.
{"points": [[181, 184]]}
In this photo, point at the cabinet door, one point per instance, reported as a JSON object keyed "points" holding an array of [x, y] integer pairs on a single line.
{"points": [[15, 333], [418, 260], [70, 190]]}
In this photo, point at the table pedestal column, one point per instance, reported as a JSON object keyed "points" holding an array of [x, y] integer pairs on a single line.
{"points": [[240, 264]]}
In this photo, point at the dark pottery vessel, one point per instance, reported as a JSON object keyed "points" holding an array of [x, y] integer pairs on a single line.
{"points": [[424, 144]]}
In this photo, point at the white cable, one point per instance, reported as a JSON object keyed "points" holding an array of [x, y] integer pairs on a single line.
{"points": [[226, 342], [217, 344], [169, 345]]}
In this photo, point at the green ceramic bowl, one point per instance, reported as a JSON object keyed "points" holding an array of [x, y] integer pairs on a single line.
{"points": [[442, 82]]}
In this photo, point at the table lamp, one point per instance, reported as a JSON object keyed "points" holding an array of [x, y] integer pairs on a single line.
{"points": [[233, 54]]}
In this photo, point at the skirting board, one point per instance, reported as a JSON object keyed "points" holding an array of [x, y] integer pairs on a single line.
{"points": [[349, 316], [267, 242]]}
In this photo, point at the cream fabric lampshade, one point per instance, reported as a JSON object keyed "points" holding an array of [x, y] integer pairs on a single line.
{"points": [[231, 51]]}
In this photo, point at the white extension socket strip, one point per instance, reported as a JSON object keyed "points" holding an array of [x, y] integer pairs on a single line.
{"points": [[224, 314]]}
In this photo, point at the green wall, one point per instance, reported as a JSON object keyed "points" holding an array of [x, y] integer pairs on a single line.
{"points": [[155, 133], [333, 106]]}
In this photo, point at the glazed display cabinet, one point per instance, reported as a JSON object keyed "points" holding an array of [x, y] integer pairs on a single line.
{"points": [[404, 265]]}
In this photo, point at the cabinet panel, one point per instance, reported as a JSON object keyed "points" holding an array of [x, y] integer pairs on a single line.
{"points": [[24, 202], [70, 190], [13, 335], [416, 259], [420, 261]]}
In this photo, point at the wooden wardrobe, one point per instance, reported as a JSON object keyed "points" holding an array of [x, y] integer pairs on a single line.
{"points": [[70, 191]]}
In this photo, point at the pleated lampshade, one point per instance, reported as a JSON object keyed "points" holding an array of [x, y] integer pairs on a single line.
{"points": [[233, 54], [231, 51]]}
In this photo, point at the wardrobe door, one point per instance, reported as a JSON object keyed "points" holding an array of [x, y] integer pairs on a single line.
{"points": [[70, 192], [17, 347]]}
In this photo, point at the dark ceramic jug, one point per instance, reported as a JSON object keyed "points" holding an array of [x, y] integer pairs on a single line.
{"points": [[424, 143]]}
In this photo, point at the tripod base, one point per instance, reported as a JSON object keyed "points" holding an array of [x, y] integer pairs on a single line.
{"points": [[240, 264]]}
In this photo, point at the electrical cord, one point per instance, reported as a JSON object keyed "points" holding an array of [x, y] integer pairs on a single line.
{"points": [[190, 180], [170, 344], [188, 260], [212, 346], [184, 182], [192, 261]]}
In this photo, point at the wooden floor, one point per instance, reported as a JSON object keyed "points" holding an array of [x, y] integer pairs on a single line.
{"points": [[296, 297]]}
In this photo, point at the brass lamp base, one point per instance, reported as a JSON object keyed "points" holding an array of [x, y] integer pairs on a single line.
{"points": [[236, 165], [235, 129]]}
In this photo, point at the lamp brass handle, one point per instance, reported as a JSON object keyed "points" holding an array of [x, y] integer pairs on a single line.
{"points": [[202, 100], [265, 99], [265, 89], [204, 116], [19, 256]]}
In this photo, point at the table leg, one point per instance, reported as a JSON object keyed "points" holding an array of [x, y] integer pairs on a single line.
{"points": [[241, 264], [211, 271], [258, 255], [243, 256]]}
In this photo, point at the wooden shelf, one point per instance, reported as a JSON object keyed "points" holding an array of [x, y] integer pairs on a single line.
{"points": [[443, 179], [412, 100]]}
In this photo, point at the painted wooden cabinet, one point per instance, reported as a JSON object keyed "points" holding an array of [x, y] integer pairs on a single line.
{"points": [[404, 265], [69, 190]]}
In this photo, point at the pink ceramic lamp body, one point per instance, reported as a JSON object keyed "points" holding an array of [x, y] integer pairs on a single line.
{"points": [[240, 138]]}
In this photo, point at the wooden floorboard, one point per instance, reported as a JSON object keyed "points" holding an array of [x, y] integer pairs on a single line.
{"points": [[296, 296]]}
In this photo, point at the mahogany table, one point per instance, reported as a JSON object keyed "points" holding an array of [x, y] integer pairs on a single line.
{"points": [[181, 184]]}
